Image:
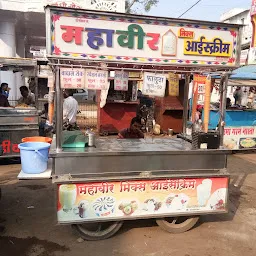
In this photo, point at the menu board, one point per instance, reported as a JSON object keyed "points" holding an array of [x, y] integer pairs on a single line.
{"points": [[121, 81], [199, 83], [173, 84], [140, 198], [154, 84], [50, 81], [96, 79], [72, 78]]}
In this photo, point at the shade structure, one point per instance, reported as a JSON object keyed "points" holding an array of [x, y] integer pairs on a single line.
{"points": [[242, 73]]}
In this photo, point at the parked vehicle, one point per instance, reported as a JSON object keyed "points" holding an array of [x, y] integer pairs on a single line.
{"points": [[83, 95]]}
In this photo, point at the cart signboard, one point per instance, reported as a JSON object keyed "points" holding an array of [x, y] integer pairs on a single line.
{"points": [[112, 37], [143, 198]]}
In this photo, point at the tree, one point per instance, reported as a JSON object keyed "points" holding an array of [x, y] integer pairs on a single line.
{"points": [[147, 4]]}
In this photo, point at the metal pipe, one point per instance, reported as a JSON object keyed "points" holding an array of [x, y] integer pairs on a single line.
{"points": [[134, 69], [36, 87], [48, 31], [223, 100], [185, 103], [95, 64], [59, 111]]}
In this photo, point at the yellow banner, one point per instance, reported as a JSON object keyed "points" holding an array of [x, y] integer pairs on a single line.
{"points": [[204, 47], [173, 84]]}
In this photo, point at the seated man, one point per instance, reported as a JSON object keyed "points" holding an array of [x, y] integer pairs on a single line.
{"points": [[27, 97], [134, 132]]}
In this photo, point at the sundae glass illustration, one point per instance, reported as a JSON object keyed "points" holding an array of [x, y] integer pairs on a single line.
{"points": [[67, 196]]}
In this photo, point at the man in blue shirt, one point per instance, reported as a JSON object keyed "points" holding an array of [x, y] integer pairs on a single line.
{"points": [[5, 89]]}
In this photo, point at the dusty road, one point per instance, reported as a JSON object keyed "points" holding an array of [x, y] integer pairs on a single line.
{"points": [[27, 212]]}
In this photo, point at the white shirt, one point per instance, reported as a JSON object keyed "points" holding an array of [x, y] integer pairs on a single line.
{"points": [[70, 108], [33, 96]]}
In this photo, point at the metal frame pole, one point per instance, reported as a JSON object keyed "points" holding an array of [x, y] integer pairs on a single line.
{"points": [[36, 87], [59, 111], [223, 95], [185, 104]]}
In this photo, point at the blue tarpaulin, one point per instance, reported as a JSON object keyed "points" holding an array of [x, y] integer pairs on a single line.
{"points": [[244, 73]]}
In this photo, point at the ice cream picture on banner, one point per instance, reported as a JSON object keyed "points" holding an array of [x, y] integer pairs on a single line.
{"points": [[128, 207], [177, 201], [82, 209], [67, 196], [104, 206], [152, 205], [204, 192]]}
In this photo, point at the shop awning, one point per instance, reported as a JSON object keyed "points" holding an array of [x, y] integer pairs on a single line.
{"points": [[17, 62], [244, 73], [231, 82]]}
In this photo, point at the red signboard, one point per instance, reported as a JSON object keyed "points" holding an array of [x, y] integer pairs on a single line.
{"points": [[134, 199]]}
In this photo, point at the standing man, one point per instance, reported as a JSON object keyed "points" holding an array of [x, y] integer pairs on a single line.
{"points": [[70, 108], [238, 95]]}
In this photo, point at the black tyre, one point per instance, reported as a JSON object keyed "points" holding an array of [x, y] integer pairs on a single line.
{"points": [[97, 231], [177, 224]]}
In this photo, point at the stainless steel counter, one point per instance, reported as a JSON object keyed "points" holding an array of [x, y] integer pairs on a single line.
{"points": [[110, 146], [15, 124], [113, 157]]}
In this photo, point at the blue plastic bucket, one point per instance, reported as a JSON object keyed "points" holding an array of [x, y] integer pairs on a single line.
{"points": [[34, 156]]}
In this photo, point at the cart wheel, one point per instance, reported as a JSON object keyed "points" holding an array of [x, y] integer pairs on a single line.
{"points": [[97, 231], [177, 224]]}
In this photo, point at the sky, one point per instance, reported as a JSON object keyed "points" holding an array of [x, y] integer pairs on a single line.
{"points": [[206, 10]]}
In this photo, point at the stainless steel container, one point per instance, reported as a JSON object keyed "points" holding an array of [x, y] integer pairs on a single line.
{"points": [[91, 139], [170, 132]]}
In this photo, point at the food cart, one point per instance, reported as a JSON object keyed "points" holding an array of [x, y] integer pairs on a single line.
{"points": [[19, 122], [240, 130], [99, 187]]}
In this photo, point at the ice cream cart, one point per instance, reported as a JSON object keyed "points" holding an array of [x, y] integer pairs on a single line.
{"points": [[99, 187], [21, 121]]}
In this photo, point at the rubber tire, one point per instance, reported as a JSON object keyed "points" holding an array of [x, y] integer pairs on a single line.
{"points": [[177, 228], [101, 235]]}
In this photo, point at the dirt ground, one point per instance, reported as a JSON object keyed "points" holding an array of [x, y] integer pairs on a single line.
{"points": [[27, 211]]}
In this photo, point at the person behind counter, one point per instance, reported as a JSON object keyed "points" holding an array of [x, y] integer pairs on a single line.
{"points": [[27, 97], [5, 89], [238, 96], [251, 97], [3, 100], [70, 109], [228, 103], [134, 132]]}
